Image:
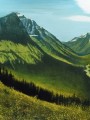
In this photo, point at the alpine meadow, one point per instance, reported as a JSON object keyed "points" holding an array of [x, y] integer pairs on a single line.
{"points": [[43, 77]]}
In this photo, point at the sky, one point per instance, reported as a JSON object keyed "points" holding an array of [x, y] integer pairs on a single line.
{"points": [[65, 19]]}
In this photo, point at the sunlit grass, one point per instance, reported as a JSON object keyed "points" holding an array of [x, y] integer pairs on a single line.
{"points": [[57, 50], [11, 52], [17, 106]]}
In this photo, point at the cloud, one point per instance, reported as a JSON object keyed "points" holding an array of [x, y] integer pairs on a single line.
{"points": [[84, 5], [79, 18]]}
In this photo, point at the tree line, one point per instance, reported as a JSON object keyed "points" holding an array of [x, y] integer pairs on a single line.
{"points": [[31, 89]]}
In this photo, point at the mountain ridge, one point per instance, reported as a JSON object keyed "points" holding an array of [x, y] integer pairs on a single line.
{"points": [[11, 28], [80, 45], [47, 41]]}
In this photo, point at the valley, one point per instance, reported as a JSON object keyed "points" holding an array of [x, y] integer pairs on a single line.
{"points": [[33, 54]]}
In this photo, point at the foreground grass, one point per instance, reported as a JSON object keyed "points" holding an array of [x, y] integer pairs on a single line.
{"points": [[17, 106]]}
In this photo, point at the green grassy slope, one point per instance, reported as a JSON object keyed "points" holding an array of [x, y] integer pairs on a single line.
{"points": [[30, 63], [17, 106], [85, 59], [56, 76], [17, 53], [56, 49]]}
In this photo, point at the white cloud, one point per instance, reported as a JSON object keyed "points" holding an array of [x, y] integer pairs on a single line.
{"points": [[79, 18], [84, 5]]}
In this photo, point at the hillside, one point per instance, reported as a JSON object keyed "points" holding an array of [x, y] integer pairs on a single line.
{"points": [[80, 45], [17, 106], [11, 53], [57, 77], [29, 63]]}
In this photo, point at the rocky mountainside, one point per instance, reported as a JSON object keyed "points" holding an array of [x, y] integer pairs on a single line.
{"points": [[48, 42], [11, 28]]}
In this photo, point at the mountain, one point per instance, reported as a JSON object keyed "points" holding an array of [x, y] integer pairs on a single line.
{"points": [[16, 46], [80, 45], [11, 28], [22, 40], [48, 42], [42, 59]]}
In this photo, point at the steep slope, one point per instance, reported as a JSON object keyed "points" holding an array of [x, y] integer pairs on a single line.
{"points": [[12, 53], [17, 106], [80, 45], [48, 42], [16, 46], [11, 28], [56, 76]]}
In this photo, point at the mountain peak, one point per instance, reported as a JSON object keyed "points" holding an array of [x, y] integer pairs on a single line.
{"points": [[12, 14], [88, 35], [11, 28], [21, 16], [34, 29], [80, 45]]}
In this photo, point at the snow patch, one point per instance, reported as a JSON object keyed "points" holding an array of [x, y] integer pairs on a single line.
{"points": [[33, 35], [73, 40]]}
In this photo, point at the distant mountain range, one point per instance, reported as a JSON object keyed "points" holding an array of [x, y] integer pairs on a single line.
{"points": [[80, 45], [34, 54]]}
